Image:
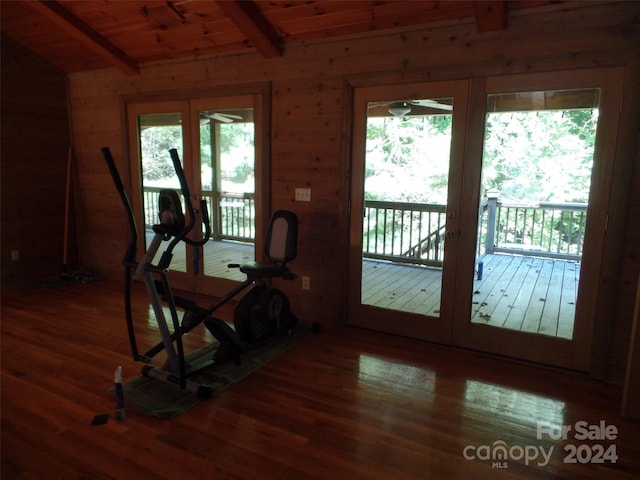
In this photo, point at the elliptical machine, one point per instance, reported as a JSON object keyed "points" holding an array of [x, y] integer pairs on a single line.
{"points": [[261, 316]]}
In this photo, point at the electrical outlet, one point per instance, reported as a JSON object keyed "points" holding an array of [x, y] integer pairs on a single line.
{"points": [[306, 283], [303, 194], [15, 255]]}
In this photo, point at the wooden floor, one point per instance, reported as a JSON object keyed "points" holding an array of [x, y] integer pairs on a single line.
{"points": [[343, 404], [529, 294]]}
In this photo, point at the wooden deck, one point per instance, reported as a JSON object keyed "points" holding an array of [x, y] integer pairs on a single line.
{"points": [[529, 294], [217, 257], [407, 288]]}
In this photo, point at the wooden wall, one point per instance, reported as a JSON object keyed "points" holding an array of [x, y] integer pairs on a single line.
{"points": [[626, 284], [311, 92], [35, 142], [631, 395]]}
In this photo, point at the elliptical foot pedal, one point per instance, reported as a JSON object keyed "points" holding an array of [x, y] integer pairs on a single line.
{"points": [[225, 353], [204, 391], [231, 345]]}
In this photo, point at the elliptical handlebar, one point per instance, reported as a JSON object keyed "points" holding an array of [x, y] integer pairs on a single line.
{"points": [[181, 235], [207, 225], [186, 193], [129, 260], [187, 200], [130, 255]]}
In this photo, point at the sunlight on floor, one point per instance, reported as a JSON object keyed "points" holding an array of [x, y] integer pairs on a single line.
{"points": [[395, 376], [485, 399]]}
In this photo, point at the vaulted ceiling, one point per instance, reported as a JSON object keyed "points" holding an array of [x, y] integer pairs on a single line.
{"points": [[79, 35]]}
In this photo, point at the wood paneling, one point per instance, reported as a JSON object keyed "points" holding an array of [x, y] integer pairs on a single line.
{"points": [[124, 33], [35, 142], [631, 395]]}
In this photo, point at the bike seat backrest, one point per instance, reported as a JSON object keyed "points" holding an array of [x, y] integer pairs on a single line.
{"points": [[172, 221], [281, 242]]}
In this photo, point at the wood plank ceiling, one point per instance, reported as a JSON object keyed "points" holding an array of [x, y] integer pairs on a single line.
{"points": [[79, 35]]}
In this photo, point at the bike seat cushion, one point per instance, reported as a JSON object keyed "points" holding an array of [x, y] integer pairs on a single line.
{"points": [[263, 270]]}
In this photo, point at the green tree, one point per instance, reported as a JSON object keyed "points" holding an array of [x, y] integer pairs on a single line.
{"points": [[155, 143], [407, 158], [540, 156], [237, 152]]}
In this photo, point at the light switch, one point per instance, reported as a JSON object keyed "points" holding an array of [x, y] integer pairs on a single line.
{"points": [[303, 194]]}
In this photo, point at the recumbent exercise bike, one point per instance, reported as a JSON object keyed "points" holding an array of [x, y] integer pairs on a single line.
{"points": [[262, 315]]}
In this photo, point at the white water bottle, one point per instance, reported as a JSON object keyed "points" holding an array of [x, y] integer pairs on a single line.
{"points": [[119, 393]]}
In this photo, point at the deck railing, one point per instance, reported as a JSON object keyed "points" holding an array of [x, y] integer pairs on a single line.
{"points": [[231, 214], [414, 233], [404, 232], [544, 229]]}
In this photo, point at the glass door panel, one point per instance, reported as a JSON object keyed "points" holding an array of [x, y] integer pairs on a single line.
{"points": [[542, 156], [227, 166], [220, 146], [406, 185], [408, 148], [157, 133], [535, 188]]}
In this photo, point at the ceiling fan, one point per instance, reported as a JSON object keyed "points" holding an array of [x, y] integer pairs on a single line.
{"points": [[402, 107], [205, 117]]}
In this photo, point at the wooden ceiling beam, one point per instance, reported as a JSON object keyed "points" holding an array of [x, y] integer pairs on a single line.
{"points": [[84, 34], [491, 15], [248, 17]]}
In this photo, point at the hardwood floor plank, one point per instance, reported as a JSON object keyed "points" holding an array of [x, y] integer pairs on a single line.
{"points": [[343, 404]]}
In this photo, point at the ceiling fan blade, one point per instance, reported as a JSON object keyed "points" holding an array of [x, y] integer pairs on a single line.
{"points": [[432, 104], [419, 103], [220, 117], [378, 104]]}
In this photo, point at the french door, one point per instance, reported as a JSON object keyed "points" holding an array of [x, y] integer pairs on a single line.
{"points": [[408, 160], [220, 144], [530, 290], [476, 220]]}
